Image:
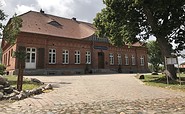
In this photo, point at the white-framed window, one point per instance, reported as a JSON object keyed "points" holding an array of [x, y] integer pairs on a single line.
{"points": [[142, 60], [30, 55], [65, 55], [126, 60], [119, 59], [133, 60], [111, 57], [77, 57], [88, 57], [52, 56]]}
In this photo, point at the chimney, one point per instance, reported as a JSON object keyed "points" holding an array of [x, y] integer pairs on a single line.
{"points": [[74, 19], [41, 11]]}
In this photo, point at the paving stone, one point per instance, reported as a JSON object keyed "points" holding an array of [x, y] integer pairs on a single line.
{"points": [[115, 94]]}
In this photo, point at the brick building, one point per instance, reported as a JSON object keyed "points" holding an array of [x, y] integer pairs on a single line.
{"points": [[56, 45]]}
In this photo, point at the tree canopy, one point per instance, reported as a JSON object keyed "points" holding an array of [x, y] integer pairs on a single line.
{"points": [[2, 18], [126, 21], [12, 29]]}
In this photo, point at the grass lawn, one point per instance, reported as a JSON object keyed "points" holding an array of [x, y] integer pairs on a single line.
{"points": [[161, 81], [27, 84]]}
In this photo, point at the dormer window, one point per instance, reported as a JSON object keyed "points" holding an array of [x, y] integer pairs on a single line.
{"points": [[55, 23]]}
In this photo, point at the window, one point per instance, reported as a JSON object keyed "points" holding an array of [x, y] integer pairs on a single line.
{"points": [[65, 54], [88, 57], [9, 58], [6, 59], [111, 57], [11, 52], [30, 55], [52, 56], [142, 60], [126, 60], [119, 59], [77, 57], [133, 60], [55, 24]]}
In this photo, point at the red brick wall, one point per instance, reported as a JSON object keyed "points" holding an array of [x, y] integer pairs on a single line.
{"points": [[51, 42], [7, 57]]}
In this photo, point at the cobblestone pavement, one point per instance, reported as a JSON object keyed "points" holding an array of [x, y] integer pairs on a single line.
{"points": [[99, 94]]}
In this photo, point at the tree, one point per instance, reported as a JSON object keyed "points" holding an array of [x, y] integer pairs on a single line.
{"points": [[155, 57], [2, 18], [125, 21], [10, 32]]}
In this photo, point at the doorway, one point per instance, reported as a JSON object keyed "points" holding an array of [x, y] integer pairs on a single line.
{"points": [[100, 60], [30, 58]]}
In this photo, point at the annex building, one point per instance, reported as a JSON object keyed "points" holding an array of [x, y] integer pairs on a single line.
{"points": [[57, 46]]}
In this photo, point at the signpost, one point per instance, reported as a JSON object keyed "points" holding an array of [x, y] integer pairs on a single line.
{"points": [[172, 60]]}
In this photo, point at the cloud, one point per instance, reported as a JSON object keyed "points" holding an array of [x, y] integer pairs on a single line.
{"points": [[20, 9], [3, 3], [81, 9], [57, 7]]}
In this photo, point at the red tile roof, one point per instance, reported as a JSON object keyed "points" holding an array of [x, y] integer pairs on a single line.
{"points": [[36, 22], [41, 23]]}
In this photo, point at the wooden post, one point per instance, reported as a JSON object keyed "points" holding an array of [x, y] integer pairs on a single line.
{"points": [[166, 69], [179, 71], [20, 77]]}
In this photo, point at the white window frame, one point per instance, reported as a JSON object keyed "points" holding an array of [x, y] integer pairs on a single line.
{"points": [[31, 52], [77, 57], [111, 58], [142, 60], [126, 59], [133, 60], [65, 55], [119, 59], [88, 57], [53, 56]]}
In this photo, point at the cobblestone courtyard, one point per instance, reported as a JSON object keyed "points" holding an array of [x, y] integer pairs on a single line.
{"points": [[99, 94]]}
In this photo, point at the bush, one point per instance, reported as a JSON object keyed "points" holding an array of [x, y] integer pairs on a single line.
{"points": [[2, 69]]}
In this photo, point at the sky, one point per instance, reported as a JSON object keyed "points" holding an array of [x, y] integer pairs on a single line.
{"points": [[84, 10]]}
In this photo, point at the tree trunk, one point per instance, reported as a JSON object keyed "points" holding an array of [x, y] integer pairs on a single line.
{"points": [[20, 78], [163, 43], [166, 52]]}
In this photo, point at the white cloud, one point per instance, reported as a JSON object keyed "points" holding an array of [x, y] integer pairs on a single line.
{"points": [[57, 7], [20, 9], [3, 3]]}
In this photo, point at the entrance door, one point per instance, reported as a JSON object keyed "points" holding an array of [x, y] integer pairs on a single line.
{"points": [[100, 60], [30, 58]]}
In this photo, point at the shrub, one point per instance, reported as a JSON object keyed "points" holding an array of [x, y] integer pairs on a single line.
{"points": [[2, 69]]}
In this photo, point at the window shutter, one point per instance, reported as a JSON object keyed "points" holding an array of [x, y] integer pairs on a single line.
{"points": [[41, 58]]}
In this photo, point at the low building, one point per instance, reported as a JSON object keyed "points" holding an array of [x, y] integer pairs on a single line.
{"points": [[56, 46]]}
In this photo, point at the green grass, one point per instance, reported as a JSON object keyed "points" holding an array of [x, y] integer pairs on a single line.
{"points": [[27, 84], [161, 81]]}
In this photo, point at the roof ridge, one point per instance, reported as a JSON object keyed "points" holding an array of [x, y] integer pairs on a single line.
{"points": [[55, 16]]}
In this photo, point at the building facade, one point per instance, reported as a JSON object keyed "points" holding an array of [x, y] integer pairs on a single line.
{"points": [[56, 46]]}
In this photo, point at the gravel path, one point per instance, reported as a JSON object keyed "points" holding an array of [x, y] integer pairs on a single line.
{"points": [[116, 93]]}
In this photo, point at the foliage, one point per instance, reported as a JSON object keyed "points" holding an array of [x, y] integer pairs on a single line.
{"points": [[20, 54], [27, 84], [10, 33], [2, 18], [2, 69], [12, 29], [155, 56], [126, 21]]}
